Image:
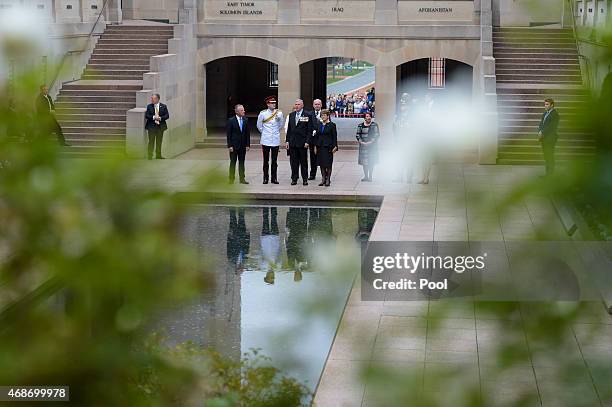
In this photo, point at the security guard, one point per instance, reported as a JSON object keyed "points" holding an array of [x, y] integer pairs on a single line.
{"points": [[269, 123]]}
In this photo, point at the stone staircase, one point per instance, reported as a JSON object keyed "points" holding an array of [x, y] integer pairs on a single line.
{"points": [[92, 111], [531, 65]]}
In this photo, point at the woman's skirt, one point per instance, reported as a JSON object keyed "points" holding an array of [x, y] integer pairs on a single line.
{"points": [[325, 157], [368, 155]]}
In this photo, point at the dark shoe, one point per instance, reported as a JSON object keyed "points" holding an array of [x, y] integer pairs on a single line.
{"points": [[293, 182], [231, 182], [274, 181], [322, 184], [327, 182], [312, 177], [305, 183], [160, 158], [364, 179], [244, 181], [265, 181], [64, 144]]}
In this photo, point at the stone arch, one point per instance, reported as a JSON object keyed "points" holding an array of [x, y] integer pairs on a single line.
{"points": [[466, 51], [316, 48], [213, 50]]}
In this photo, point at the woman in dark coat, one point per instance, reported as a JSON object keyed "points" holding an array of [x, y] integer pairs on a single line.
{"points": [[367, 136], [326, 144]]}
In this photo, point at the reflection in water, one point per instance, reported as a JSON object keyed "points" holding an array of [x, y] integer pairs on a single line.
{"points": [[260, 294]]}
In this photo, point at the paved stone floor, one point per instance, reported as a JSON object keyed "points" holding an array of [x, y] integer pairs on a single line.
{"points": [[462, 202]]}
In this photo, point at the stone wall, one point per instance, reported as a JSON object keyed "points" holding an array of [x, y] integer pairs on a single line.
{"points": [[173, 77]]}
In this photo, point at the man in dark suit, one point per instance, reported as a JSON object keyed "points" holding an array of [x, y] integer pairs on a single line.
{"points": [[156, 116], [238, 142], [299, 135], [45, 111], [547, 134], [317, 105]]}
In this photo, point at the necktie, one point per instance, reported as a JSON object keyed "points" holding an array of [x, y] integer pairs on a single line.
{"points": [[240, 123], [156, 110], [297, 118]]}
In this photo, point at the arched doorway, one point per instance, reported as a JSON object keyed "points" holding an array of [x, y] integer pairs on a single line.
{"points": [[237, 80], [442, 78], [346, 85]]}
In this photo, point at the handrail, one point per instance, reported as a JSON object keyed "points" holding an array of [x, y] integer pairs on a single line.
{"points": [[587, 62], [78, 51]]}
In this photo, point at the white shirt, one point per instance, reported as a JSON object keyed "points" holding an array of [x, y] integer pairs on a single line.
{"points": [[270, 252], [270, 130]]}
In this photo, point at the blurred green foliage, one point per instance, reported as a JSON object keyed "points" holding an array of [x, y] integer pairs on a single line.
{"points": [[87, 260]]}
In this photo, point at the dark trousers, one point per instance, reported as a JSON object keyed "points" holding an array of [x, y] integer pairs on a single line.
{"points": [[50, 126], [237, 154], [269, 226], [313, 160], [298, 158], [548, 148], [156, 136], [266, 161]]}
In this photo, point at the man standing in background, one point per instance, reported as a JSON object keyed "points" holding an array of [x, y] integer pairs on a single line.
{"points": [[547, 134], [269, 124], [45, 111], [238, 142], [316, 113], [156, 116], [298, 138]]}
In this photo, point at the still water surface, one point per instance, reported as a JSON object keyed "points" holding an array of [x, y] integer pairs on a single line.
{"points": [[280, 285]]}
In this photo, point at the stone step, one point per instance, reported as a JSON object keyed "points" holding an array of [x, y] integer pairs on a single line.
{"points": [[90, 116], [560, 155], [111, 77], [112, 28], [551, 71], [568, 36], [566, 115], [566, 134], [541, 52], [537, 149], [104, 52], [131, 40], [120, 58], [515, 66], [118, 66], [97, 106], [92, 124], [93, 130], [567, 111], [115, 72], [535, 42], [537, 105], [136, 36], [537, 81], [72, 100], [534, 142], [537, 60], [101, 92], [547, 46], [75, 135], [532, 128], [143, 46], [543, 75], [532, 30], [84, 142], [102, 86], [99, 112]]}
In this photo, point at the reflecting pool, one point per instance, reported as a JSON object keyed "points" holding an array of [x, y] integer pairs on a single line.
{"points": [[283, 276]]}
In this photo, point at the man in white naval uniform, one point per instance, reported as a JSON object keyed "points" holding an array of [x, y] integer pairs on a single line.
{"points": [[269, 124]]}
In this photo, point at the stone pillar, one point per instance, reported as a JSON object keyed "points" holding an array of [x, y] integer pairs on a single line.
{"points": [[113, 12], [135, 134], [200, 108], [288, 85], [288, 11], [385, 98], [386, 12]]}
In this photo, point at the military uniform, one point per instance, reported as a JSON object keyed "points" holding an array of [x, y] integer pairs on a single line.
{"points": [[269, 124]]}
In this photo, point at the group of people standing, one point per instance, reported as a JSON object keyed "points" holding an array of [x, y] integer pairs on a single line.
{"points": [[311, 136], [352, 104]]}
